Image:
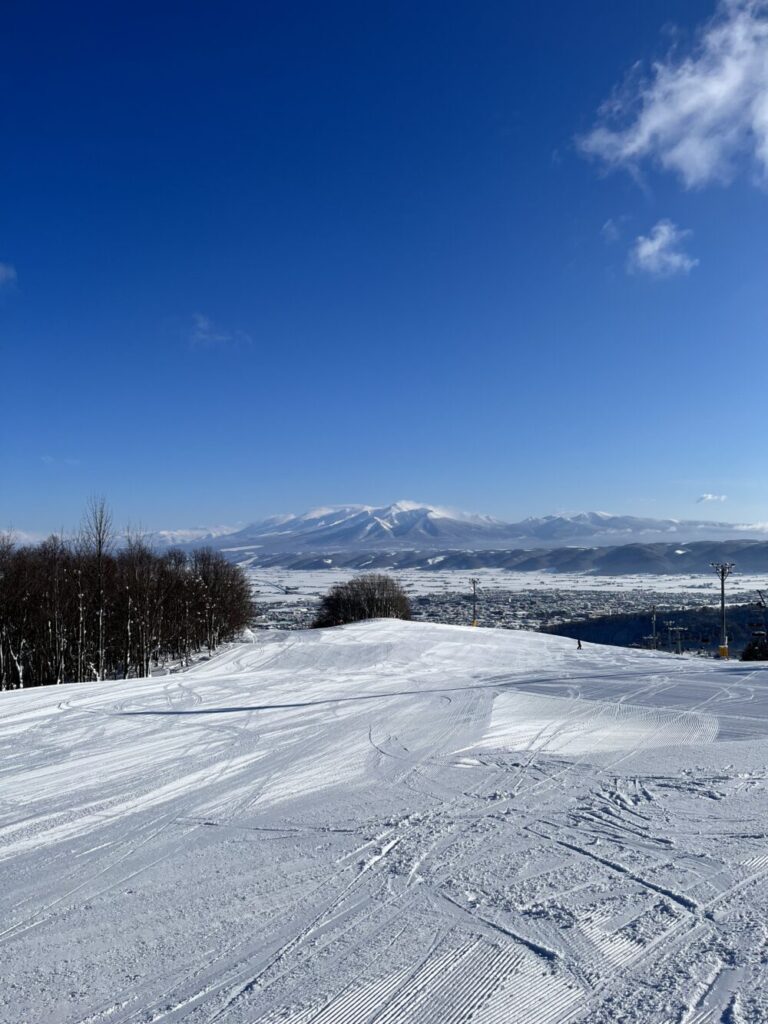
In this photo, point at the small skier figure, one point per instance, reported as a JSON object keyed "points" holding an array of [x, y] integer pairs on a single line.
{"points": [[578, 645]]}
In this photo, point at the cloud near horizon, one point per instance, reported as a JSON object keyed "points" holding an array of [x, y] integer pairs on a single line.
{"points": [[702, 116], [660, 253], [711, 497]]}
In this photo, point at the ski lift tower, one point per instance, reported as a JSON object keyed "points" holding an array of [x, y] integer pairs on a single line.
{"points": [[723, 570], [670, 626], [759, 629], [762, 603]]}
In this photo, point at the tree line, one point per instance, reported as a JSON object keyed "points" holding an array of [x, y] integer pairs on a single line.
{"points": [[700, 629], [85, 609]]}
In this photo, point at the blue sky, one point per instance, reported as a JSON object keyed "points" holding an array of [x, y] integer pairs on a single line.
{"points": [[260, 257]]}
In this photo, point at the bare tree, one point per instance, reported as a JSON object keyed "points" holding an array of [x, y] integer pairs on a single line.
{"points": [[6, 554], [98, 539], [369, 596]]}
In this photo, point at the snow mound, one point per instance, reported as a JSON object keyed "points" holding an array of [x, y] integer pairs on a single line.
{"points": [[559, 725], [391, 821]]}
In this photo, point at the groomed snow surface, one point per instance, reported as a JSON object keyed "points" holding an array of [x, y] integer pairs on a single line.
{"points": [[389, 822]]}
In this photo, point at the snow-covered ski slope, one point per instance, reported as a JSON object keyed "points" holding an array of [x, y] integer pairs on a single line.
{"points": [[389, 823]]}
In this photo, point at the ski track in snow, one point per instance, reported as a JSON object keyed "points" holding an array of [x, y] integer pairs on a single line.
{"points": [[398, 823]]}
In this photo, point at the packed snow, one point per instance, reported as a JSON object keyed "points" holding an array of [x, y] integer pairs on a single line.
{"points": [[390, 822]]}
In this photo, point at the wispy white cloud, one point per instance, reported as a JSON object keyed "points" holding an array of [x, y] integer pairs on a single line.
{"points": [[207, 334], [703, 115], [49, 460], [660, 253], [8, 275], [613, 229], [711, 497]]}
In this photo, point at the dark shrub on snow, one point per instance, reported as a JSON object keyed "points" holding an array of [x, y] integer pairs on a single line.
{"points": [[370, 596]]}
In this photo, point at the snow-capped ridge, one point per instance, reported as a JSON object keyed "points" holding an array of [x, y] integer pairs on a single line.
{"points": [[407, 525]]}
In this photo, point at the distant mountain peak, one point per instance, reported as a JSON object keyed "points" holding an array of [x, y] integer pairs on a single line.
{"points": [[410, 506], [407, 525]]}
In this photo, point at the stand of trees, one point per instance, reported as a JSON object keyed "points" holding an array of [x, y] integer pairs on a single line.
{"points": [[701, 629], [83, 610], [370, 596], [756, 649]]}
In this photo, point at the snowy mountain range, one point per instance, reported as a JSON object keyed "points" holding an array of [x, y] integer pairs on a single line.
{"points": [[410, 526]]}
